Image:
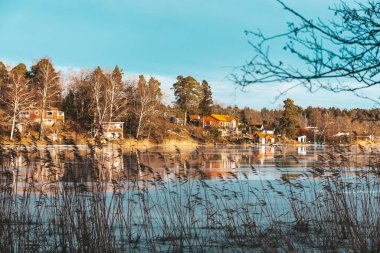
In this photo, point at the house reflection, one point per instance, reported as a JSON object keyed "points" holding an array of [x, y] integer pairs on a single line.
{"points": [[301, 150], [49, 165], [265, 153], [221, 165]]}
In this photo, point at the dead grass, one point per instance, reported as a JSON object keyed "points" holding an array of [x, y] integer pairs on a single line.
{"points": [[107, 200]]}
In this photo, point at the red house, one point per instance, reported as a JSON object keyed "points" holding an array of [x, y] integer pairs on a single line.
{"points": [[50, 116]]}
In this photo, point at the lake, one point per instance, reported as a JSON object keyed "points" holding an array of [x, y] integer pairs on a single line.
{"points": [[216, 162], [181, 199]]}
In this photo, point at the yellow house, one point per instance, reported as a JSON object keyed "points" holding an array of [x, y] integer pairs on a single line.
{"points": [[225, 120]]}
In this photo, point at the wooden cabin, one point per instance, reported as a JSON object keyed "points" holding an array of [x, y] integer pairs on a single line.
{"points": [[51, 115], [264, 138], [113, 130]]}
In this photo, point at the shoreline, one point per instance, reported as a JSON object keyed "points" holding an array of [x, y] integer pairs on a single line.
{"points": [[173, 145]]}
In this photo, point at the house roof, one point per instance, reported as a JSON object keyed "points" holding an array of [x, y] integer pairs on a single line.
{"points": [[218, 117], [228, 118], [224, 118], [261, 135], [207, 118]]}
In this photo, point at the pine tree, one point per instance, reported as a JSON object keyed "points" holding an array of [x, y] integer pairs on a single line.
{"points": [[3, 72], [4, 79], [289, 124], [187, 92], [206, 102]]}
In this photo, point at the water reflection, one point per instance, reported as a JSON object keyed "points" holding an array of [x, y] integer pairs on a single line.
{"points": [[71, 164]]}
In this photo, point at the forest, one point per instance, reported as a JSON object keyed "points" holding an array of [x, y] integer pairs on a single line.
{"points": [[91, 97]]}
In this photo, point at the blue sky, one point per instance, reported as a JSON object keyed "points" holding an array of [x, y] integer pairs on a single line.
{"points": [[164, 38]]}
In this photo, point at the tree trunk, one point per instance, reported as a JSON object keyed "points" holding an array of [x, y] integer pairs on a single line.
{"points": [[185, 121], [41, 121], [13, 124], [41, 125], [139, 125]]}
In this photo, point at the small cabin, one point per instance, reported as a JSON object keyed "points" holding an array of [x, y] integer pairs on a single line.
{"points": [[264, 138], [113, 130], [50, 116], [301, 138]]}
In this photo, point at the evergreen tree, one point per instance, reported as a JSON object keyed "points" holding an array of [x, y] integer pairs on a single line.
{"points": [[78, 101], [3, 73], [3, 83], [187, 92], [206, 102], [289, 124], [21, 69]]}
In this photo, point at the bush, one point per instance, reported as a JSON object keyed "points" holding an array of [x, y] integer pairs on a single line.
{"points": [[214, 131]]}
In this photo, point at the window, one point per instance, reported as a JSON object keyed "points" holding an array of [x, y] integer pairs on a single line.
{"points": [[36, 112], [49, 113], [60, 113]]}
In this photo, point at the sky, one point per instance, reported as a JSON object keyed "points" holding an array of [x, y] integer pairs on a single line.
{"points": [[161, 38]]}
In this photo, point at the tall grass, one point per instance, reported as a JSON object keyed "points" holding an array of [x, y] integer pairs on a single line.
{"points": [[104, 199]]}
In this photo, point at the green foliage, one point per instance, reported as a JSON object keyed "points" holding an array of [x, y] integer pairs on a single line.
{"points": [[187, 92], [117, 75], [77, 103], [214, 131], [3, 82], [206, 102], [289, 125], [20, 69], [3, 73]]}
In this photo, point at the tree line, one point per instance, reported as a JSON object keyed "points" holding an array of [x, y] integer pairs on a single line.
{"points": [[90, 99], [93, 98]]}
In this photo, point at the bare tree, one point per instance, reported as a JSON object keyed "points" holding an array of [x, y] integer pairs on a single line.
{"points": [[327, 54], [108, 96], [116, 96], [148, 97], [17, 96], [47, 87], [98, 84]]}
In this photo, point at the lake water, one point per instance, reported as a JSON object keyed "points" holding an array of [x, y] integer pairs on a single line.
{"points": [[180, 199], [83, 164]]}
